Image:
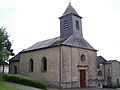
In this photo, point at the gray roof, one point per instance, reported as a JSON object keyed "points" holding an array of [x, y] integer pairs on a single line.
{"points": [[79, 42], [100, 60], [71, 41], [15, 58], [70, 10]]}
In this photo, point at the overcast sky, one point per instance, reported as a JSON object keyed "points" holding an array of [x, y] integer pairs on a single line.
{"points": [[30, 21]]}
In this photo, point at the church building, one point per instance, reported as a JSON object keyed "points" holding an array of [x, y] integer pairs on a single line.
{"points": [[67, 61]]}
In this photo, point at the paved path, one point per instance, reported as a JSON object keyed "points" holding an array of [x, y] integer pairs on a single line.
{"points": [[22, 86], [32, 88], [85, 89]]}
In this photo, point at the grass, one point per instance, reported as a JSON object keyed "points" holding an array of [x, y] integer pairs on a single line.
{"points": [[3, 86]]}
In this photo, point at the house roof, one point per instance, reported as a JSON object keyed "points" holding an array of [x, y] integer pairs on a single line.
{"points": [[111, 61], [100, 60], [70, 10], [71, 41], [15, 58]]}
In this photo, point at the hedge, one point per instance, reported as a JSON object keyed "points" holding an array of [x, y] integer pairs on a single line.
{"points": [[1, 76], [24, 80]]}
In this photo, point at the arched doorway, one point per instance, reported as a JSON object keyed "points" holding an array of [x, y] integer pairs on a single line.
{"points": [[15, 69]]}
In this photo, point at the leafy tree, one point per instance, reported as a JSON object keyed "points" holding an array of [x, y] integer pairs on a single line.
{"points": [[5, 46]]}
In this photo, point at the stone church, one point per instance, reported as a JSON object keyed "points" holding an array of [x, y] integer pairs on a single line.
{"points": [[67, 61]]}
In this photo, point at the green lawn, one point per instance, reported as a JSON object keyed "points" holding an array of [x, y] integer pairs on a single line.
{"points": [[3, 86]]}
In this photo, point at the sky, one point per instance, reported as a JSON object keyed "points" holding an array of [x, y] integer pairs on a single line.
{"points": [[31, 21]]}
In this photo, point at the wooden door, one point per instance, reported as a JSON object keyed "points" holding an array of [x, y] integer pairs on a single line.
{"points": [[82, 78]]}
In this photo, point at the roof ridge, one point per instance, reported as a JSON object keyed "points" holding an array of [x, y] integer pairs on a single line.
{"points": [[67, 39]]}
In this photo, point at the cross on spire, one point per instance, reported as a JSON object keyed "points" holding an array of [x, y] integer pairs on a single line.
{"points": [[69, 1]]}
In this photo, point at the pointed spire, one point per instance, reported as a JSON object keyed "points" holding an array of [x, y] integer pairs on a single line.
{"points": [[70, 10], [70, 2]]}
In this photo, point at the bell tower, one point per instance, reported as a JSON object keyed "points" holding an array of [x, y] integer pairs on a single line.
{"points": [[70, 23]]}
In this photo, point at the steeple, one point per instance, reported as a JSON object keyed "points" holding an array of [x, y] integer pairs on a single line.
{"points": [[69, 10], [70, 23]]}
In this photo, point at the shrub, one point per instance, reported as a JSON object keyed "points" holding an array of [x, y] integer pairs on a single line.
{"points": [[118, 85], [1, 76], [24, 80], [110, 86]]}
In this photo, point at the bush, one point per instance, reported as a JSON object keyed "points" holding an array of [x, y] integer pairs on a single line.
{"points": [[110, 86], [24, 80], [118, 85], [1, 76]]}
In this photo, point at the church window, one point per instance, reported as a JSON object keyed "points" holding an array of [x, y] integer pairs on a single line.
{"points": [[15, 69], [82, 57], [77, 24], [99, 73], [31, 65], [44, 64], [65, 25], [117, 81]]}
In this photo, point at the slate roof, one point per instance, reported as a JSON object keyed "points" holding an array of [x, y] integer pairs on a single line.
{"points": [[15, 58], [100, 60], [71, 41], [111, 61], [70, 10]]}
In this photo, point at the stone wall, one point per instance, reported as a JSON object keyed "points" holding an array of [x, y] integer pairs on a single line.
{"points": [[70, 70], [63, 66], [53, 65], [115, 72], [12, 67]]}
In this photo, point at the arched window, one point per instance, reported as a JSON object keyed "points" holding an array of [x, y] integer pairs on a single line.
{"points": [[117, 81], [44, 64], [99, 73], [31, 65], [15, 69]]}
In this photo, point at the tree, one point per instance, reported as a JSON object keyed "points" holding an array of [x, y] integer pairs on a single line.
{"points": [[5, 47]]}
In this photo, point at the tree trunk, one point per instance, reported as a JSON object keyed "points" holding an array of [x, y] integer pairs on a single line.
{"points": [[3, 68]]}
